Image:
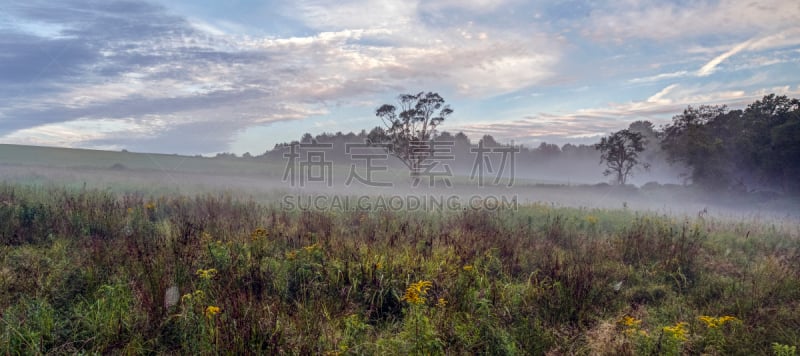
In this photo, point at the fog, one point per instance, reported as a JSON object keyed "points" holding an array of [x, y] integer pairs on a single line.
{"points": [[564, 182]]}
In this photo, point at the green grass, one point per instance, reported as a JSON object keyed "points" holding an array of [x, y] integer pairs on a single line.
{"points": [[98, 159], [94, 271], [70, 159]]}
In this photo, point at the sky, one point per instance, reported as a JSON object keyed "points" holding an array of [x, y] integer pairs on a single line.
{"points": [[201, 76]]}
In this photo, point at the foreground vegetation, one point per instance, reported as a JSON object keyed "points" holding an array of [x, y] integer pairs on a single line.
{"points": [[93, 271]]}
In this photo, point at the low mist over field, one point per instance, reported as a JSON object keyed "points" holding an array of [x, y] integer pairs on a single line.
{"points": [[706, 119]]}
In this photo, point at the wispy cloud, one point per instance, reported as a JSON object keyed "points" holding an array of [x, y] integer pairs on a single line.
{"points": [[668, 20], [593, 122], [86, 72]]}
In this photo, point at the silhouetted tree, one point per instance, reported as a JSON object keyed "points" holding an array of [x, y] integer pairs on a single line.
{"points": [[690, 140], [620, 151], [409, 127]]}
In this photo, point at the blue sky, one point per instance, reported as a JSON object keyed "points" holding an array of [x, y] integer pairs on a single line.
{"points": [[237, 76]]}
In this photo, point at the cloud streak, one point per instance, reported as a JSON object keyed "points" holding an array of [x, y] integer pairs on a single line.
{"points": [[134, 74]]}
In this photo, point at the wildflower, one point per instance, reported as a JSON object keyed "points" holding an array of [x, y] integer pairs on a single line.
{"points": [[259, 233], [206, 273], [311, 248], [468, 268], [415, 293], [630, 321], [150, 206], [291, 255], [211, 311], [677, 332], [441, 303], [198, 294], [712, 322], [591, 219]]}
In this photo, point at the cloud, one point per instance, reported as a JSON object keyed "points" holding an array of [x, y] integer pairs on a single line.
{"points": [[679, 20], [94, 69], [659, 97], [787, 38], [133, 61], [595, 122], [660, 77]]}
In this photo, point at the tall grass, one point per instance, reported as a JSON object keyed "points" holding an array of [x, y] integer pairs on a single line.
{"points": [[91, 271]]}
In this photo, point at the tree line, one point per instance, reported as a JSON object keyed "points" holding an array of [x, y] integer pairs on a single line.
{"points": [[756, 148]]}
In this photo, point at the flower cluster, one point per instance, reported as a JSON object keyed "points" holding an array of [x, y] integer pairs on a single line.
{"points": [[206, 273], [415, 293], [678, 331], [630, 321], [259, 233], [311, 248], [198, 295], [713, 323], [211, 311]]}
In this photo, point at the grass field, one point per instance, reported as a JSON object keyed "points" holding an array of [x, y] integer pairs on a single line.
{"points": [[94, 271], [116, 252]]}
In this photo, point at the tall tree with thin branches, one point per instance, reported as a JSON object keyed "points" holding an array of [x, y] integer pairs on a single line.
{"points": [[620, 151], [410, 126]]}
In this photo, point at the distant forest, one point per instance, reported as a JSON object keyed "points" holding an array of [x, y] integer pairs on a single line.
{"points": [[755, 149]]}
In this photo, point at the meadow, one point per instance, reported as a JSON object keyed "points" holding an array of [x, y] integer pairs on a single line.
{"points": [[95, 271]]}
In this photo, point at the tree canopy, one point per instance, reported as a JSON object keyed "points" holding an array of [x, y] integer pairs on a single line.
{"points": [[620, 151], [409, 126]]}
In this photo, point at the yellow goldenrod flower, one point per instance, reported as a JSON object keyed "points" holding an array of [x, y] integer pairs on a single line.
{"points": [[630, 321], [211, 311], [415, 293], [207, 273], [150, 206], [441, 303], [677, 332], [710, 321], [714, 322], [591, 219], [311, 248], [291, 255], [259, 233], [468, 268]]}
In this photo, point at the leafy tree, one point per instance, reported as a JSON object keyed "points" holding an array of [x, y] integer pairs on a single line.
{"points": [[620, 151], [770, 136], [690, 140], [409, 127]]}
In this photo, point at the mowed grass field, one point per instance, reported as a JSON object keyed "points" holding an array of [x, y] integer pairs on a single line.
{"points": [[93, 271]]}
